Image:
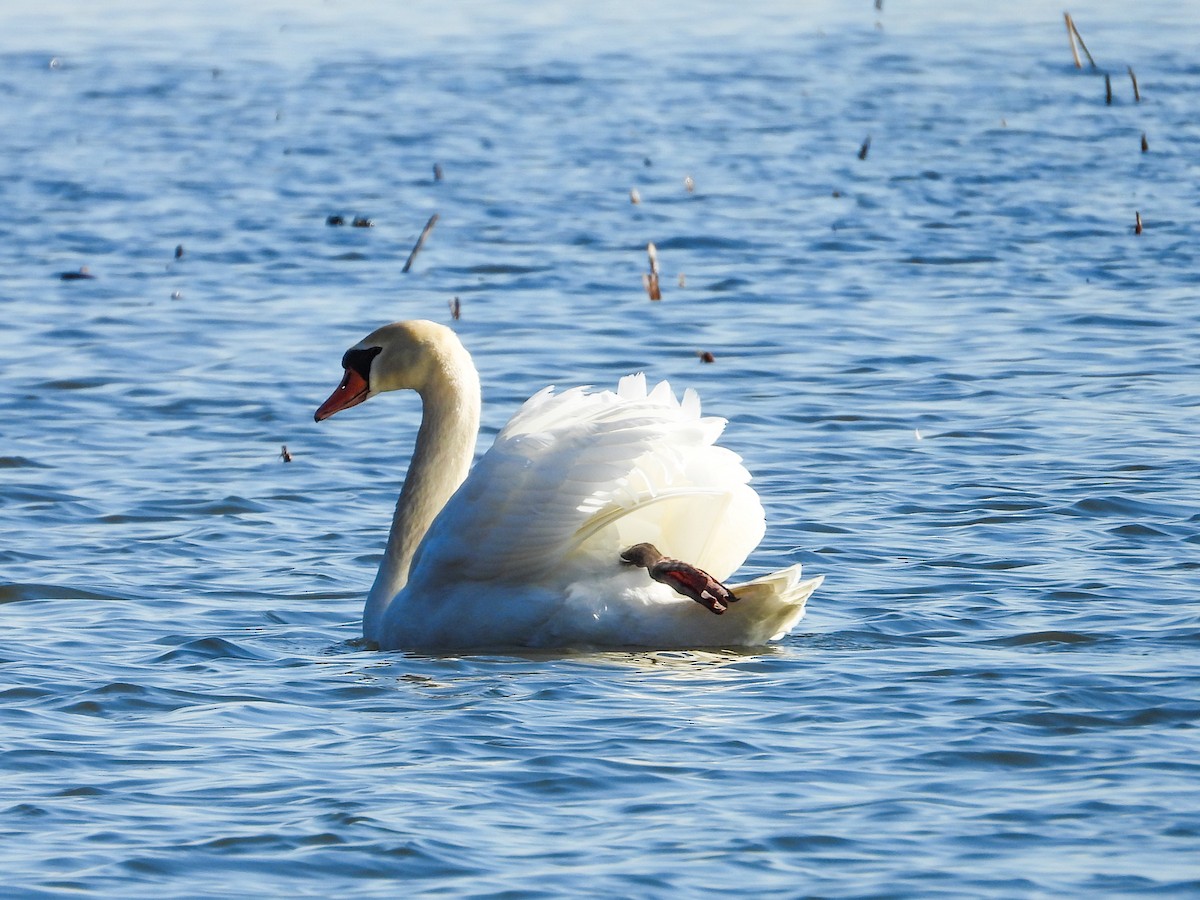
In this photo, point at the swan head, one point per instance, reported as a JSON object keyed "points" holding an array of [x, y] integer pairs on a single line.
{"points": [[403, 355]]}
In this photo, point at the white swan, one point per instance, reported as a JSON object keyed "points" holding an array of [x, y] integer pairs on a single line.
{"points": [[525, 550]]}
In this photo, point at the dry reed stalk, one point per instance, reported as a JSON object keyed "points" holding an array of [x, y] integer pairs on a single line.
{"points": [[1071, 39], [1137, 95], [1082, 45], [1137, 228], [420, 241]]}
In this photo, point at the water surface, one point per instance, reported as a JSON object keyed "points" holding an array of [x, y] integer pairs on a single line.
{"points": [[966, 387]]}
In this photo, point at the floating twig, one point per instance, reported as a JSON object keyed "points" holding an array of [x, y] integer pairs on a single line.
{"points": [[284, 455], [455, 309], [866, 145], [1076, 36], [1107, 90], [1137, 95], [1145, 143], [420, 241], [1137, 227]]}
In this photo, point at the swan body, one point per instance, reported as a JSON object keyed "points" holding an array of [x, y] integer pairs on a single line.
{"points": [[525, 548]]}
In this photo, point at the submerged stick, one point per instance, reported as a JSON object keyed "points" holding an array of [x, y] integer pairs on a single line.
{"points": [[420, 241], [1137, 95]]}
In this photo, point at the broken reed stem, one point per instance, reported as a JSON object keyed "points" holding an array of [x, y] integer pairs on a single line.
{"points": [[1137, 228], [1137, 95], [420, 241], [1071, 39], [1145, 143], [1082, 45], [650, 279], [1107, 90]]}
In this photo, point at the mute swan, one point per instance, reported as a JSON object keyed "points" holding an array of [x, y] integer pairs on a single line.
{"points": [[526, 549]]}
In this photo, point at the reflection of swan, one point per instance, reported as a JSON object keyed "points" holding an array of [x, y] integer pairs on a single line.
{"points": [[527, 551]]}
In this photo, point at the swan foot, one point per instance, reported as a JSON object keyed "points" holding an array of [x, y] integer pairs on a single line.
{"points": [[681, 577]]}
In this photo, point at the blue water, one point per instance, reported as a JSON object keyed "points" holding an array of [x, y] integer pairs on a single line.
{"points": [[967, 389]]}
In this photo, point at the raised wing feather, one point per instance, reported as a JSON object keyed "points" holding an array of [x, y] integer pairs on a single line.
{"points": [[574, 477]]}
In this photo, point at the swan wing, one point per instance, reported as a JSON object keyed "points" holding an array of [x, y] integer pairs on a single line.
{"points": [[574, 477]]}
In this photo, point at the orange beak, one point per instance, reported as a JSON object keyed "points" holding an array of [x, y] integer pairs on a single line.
{"points": [[351, 392]]}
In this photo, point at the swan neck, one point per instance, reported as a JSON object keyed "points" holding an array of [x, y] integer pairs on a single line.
{"points": [[442, 455]]}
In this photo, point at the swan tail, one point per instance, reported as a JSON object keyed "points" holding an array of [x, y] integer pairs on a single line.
{"points": [[775, 601]]}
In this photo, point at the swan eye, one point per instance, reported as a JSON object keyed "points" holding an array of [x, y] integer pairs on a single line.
{"points": [[359, 359]]}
